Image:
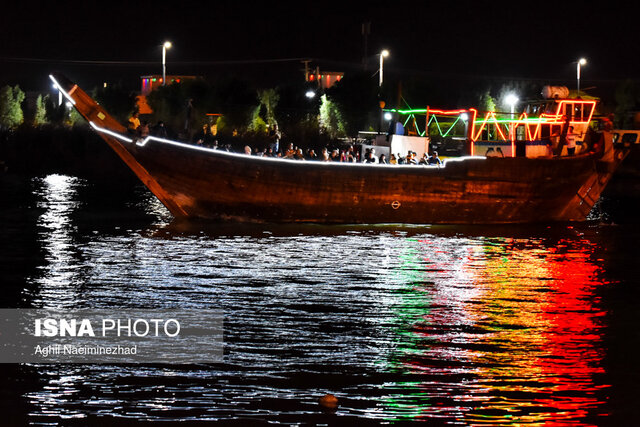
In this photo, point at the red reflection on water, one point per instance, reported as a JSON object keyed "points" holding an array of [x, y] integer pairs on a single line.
{"points": [[517, 319]]}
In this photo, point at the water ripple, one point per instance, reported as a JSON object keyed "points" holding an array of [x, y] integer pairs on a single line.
{"points": [[401, 323]]}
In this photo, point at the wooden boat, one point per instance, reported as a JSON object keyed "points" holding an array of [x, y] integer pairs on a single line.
{"points": [[197, 182]]}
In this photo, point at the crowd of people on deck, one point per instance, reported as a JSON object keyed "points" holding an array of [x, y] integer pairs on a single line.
{"points": [[206, 138], [144, 129], [346, 155]]}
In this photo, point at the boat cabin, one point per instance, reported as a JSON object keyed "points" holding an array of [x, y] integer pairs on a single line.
{"points": [[534, 132]]}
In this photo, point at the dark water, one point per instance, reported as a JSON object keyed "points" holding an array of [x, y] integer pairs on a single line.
{"points": [[452, 325]]}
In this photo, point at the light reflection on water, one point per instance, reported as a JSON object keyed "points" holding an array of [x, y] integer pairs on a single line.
{"points": [[516, 321], [399, 322], [58, 279]]}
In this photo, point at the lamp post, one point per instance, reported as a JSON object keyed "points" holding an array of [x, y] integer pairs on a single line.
{"points": [[165, 46], [465, 119], [581, 62], [383, 55]]}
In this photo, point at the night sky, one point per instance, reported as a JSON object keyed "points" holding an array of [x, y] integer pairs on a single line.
{"points": [[111, 40]]}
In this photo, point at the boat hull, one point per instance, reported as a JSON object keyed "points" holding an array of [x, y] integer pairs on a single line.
{"points": [[195, 182], [209, 184]]}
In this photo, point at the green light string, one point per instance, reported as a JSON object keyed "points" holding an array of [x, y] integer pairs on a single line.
{"points": [[411, 111], [452, 126], [418, 129], [433, 117]]}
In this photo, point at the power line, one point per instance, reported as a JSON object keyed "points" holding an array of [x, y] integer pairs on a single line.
{"points": [[135, 63], [347, 65]]}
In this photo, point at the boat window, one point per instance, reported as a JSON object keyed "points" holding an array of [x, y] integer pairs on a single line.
{"points": [[586, 111], [629, 138], [577, 111], [551, 108]]}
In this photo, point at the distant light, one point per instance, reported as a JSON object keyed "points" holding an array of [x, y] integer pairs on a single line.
{"points": [[105, 84], [464, 116], [384, 53], [167, 45], [511, 99], [582, 61], [388, 116], [310, 94]]}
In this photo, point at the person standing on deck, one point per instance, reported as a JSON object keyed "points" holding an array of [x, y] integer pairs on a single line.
{"points": [[571, 142], [134, 122], [274, 138], [160, 130]]}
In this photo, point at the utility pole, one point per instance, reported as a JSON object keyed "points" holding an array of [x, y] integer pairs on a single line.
{"points": [[366, 31], [306, 69]]}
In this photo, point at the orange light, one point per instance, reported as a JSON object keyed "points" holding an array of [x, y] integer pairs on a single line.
{"points": [[448, 112], [489, 117], [474, 114]]}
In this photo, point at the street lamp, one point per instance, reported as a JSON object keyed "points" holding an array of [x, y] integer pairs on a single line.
{"points": [[165, 46], [581, 62], [310, 94], [512, 100], [383, 55]]}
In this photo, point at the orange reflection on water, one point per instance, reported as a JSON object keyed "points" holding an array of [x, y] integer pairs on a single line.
{"points": [[516, 319]]}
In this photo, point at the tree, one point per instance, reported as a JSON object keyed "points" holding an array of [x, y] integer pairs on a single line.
{"points": [[331, 121], [60, 115], [357, 98], [11, 115], [269, 98], [236, 100], [40, 117], [117, 100], [55, 113], [627, 95], [487, 102], [231, 97], [257, 124], [263, 115], [73, 117]]}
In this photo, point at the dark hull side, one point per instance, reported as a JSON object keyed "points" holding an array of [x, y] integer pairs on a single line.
{"points": [[199, 183]]}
